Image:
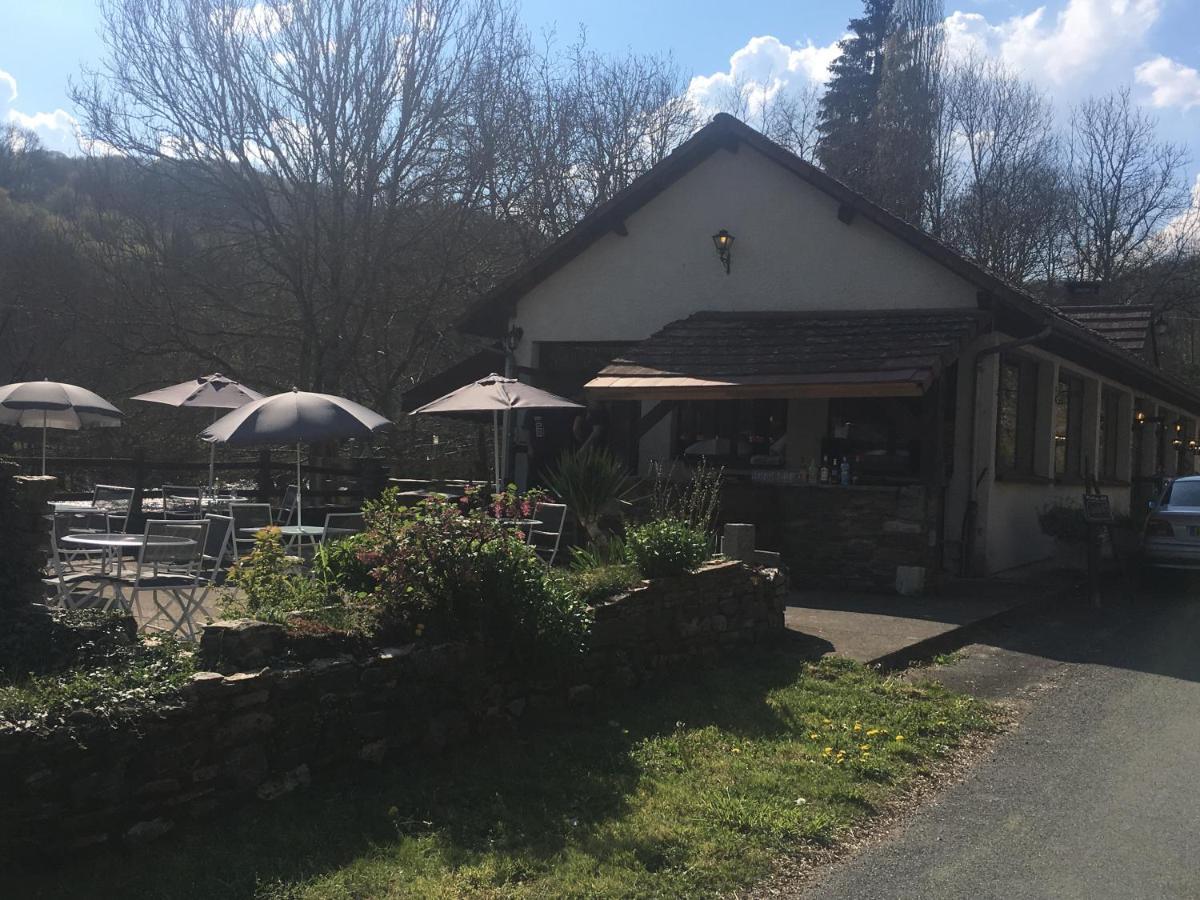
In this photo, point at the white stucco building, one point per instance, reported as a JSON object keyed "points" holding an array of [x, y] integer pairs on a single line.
{"points": [[963, 404]]}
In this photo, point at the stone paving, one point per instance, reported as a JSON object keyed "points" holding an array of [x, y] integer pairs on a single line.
{"points": [[876, 627]]}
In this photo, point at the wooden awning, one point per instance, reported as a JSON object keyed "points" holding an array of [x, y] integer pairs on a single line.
{"points": [[719, 355]]}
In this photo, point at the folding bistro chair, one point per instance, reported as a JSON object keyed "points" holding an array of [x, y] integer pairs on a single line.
{"points": [[68, 569], [340, 525], [246, 516], [114, 501], [218, 547], [546, 536], [286, 514], [172, 568]]}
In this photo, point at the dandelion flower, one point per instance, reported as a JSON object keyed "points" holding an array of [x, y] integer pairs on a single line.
{"points": [[813, 736], [899, 737], [873, 732], [858, 726], [735, 750], [864, 746]]}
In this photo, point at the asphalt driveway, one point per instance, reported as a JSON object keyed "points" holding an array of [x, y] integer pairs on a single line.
{"points": [[1095, 795]]}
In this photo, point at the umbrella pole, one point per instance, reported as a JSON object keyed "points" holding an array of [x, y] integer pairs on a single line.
{"points": [[212, 455], [43, 443], [496, 448], [299, 494]]}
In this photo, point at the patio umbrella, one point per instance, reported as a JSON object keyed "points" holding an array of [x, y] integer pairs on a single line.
{"points": [[294, 417], [494, 394], [53, 404], [209, 391]]}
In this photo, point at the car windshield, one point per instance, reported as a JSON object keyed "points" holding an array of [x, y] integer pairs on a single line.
{"points": [[1183, 493]]}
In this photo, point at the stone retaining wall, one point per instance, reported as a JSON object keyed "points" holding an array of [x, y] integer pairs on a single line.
{"points": [[262, 733]]}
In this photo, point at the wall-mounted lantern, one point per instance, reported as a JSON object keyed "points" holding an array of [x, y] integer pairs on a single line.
{"points": [[512, 338], [1139, 420], [1177, 434], [723, 241]]}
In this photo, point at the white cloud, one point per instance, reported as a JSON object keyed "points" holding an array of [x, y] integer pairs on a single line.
{"points": [[56, 126], [59, 130], [263, 19], [1171, 83], [765, 66], [1085, 36], [11, 83]]}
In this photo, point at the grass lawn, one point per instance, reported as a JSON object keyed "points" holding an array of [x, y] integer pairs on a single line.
{"points": [[691, 789]]}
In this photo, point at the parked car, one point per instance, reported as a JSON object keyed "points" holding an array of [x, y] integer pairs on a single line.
{"points": [[1171, 536]]}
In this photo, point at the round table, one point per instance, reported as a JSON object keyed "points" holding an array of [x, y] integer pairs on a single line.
{"points": [[119, 542], [126, 541]]}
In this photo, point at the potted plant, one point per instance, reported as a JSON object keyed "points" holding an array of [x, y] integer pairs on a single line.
{"points": [[1065, 523]]}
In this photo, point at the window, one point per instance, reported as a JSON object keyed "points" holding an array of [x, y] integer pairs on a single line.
{"points": [[734, 432], [1111, 431], [1068, 427], [1016, 415]]}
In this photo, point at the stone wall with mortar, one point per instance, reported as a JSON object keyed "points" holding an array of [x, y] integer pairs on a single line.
{"points": [[231, 738], [844, 538], [23, 534]]}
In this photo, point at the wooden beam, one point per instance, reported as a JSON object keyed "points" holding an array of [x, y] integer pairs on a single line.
{"points": [[657, 413], [759, 391], [845, 213]]}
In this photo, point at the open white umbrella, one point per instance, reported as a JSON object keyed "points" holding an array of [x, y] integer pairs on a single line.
{"points": [[53, 404], [208, 391], [295, 417], [494, 394]]}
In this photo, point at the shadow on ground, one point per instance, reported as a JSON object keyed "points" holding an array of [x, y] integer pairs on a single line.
{"points": [[526, 795]]}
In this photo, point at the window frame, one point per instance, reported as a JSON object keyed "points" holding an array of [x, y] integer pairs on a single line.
{"points": [[1110, 428], [1070, 391], [1024, 413]]}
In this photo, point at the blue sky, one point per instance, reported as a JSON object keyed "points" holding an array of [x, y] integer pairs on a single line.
{"points": [[1068, 47]]}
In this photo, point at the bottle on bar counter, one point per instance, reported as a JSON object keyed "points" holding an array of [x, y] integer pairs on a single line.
{"points": [[824, 476], [845, 471]]}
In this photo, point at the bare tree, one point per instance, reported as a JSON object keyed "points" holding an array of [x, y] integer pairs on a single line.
{"points": [[1006, 201], [1125, 187], [786, 114], [312, 130]]}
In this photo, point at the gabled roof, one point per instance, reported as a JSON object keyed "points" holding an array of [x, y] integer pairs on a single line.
{"points": [[1017, 309], [1126, 326], [877, 352]]}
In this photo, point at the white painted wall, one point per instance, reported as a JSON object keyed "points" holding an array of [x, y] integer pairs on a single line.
{"points": [[790, 252]]}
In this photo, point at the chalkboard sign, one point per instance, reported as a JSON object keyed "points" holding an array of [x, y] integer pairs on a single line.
{"points": [[1097, 509]]}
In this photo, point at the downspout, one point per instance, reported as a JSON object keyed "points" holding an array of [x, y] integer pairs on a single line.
{"points": [[970, 514]]}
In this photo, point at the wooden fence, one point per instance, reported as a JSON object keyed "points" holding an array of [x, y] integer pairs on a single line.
{"points": [[271, 474]]}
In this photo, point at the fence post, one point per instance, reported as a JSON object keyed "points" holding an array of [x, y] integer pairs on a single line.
{"points": [[134, 518], [266, 485]]}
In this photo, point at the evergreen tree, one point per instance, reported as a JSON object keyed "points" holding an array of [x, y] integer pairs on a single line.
{"points": [[846, 148]]}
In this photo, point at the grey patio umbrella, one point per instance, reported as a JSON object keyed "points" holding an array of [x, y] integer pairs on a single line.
{"points": [[494, 394], [208, 391], [295, 417], [54, 404]]}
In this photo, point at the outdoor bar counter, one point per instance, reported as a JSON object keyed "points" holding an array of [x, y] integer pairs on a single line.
{"points": [[850, 537]]}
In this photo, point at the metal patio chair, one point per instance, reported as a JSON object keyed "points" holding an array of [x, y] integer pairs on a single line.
{"points": [[174, 569], [546, 536]]}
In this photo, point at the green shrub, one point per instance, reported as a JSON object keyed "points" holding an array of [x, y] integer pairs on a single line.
{"points": [[270, 584], [447, 575], [666, 547], [594, 485], [338, 566], [593, 585], [1063, 521]]}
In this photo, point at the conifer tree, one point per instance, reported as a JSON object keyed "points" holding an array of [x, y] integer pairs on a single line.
{"points": [[846, 147]]}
